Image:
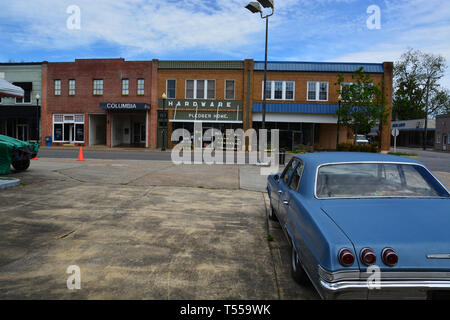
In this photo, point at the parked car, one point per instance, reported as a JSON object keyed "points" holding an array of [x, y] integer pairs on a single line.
{"points": [[355, 219], [361, 139], [16, 153]]}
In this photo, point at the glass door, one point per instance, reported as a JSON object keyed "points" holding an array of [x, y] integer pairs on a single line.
{"points": [[139, 133], [22, 132]]}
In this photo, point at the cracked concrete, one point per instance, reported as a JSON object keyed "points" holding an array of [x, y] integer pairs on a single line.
{"points": [[141, 230]]}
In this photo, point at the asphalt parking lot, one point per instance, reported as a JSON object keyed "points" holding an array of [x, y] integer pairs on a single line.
{"points": [[141, 230]]}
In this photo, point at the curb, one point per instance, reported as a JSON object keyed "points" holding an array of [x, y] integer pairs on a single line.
{"points": [[5, 184]]}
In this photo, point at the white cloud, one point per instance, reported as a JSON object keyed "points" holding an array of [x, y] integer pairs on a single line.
{"points": [[143, 26], [312, 30]]}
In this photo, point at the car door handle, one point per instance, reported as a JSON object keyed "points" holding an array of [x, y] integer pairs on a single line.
{"points": [[285, 202]]}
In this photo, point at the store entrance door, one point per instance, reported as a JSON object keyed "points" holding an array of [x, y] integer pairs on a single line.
{"points": [[139, 133], [22, 132]]}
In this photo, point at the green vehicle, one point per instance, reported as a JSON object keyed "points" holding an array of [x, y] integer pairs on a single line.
{"points": [[16, 153]]}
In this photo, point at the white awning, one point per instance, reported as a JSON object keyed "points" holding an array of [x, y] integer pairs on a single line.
{"points": [[10, 90]]}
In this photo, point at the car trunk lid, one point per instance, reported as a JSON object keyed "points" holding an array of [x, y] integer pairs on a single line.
{"points": [[418, 229]]}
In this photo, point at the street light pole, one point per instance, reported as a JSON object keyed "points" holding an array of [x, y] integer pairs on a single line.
{"points": [[255, 7], [265, 77], [37, 117]]}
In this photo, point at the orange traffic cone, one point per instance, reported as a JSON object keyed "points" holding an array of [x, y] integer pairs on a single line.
{"points": [[80, 155]]}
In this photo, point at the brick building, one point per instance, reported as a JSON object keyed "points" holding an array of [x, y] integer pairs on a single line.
{"points": [[114, 102], [100, 102], [302, 98], [442, 132], [214, 93]]}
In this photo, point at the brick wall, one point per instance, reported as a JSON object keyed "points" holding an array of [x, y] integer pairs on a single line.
{"points": [[84, 71]]}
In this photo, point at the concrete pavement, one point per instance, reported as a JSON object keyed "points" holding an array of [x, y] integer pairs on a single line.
{"points": [[135, 235]]}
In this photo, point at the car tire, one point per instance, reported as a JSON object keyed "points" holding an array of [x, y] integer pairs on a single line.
{"points": [[272, 215], [297, 271], [21, 165]]}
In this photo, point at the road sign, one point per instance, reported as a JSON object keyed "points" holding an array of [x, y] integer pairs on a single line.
{"points": [[395, 132]]}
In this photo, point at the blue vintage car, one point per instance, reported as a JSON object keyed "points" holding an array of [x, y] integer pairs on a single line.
{"points": [[364, 226]]}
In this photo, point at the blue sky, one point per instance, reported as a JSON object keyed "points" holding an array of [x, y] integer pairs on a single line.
{"points": [[302, 30]]}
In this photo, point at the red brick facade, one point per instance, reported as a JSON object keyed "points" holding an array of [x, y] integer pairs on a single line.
{"points": [[247, 92], [84, 101]]}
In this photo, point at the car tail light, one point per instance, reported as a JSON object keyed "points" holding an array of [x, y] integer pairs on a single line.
{"points": [[346, 257], [368, 257], [390, 257]]}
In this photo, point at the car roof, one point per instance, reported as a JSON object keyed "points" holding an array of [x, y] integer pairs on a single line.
{"points": [[319, 158]]}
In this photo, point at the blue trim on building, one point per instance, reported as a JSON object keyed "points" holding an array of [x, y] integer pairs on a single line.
{"points": [[344, 67], [297, 108]]}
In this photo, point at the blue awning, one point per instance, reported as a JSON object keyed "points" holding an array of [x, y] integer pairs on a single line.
{"points": [[297, 108]]}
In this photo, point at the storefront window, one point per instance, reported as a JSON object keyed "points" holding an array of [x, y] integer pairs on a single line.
{"points": [[98, 87], [211, 89], [280, 90], [58, 132], [141, 87], [125, 86], [229, 89], [71, 87], [290, 90], [68, 128], [27, 88], [200, 89], [57, 87], [79, 132], [189, 89], [317, 91], [171, 89]]}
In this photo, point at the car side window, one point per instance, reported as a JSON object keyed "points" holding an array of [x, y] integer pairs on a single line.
{"points": [[296, 177], [288, 171]]}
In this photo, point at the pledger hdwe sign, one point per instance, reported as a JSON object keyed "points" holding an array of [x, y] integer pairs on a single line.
{"points": [[124, 106]]}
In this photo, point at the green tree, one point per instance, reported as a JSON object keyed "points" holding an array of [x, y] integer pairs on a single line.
{"points": [[361, 102], [408, 102], [440, 102], [417, 89]]}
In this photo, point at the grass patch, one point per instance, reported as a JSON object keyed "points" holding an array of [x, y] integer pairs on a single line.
{"points": [[23, 184], [270, 238], [7, 178], [201, 187], [403, 154]]}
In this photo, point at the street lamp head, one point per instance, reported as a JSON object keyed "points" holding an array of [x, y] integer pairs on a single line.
{"points": [[254, 7], [38, 97], [340, 98], [164, 96], [266, 3]]}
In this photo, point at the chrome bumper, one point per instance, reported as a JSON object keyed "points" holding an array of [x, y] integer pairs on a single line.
{"points": [[383, 290]]}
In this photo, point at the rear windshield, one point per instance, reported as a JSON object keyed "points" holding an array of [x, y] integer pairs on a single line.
{"points": [[371, 180]]}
